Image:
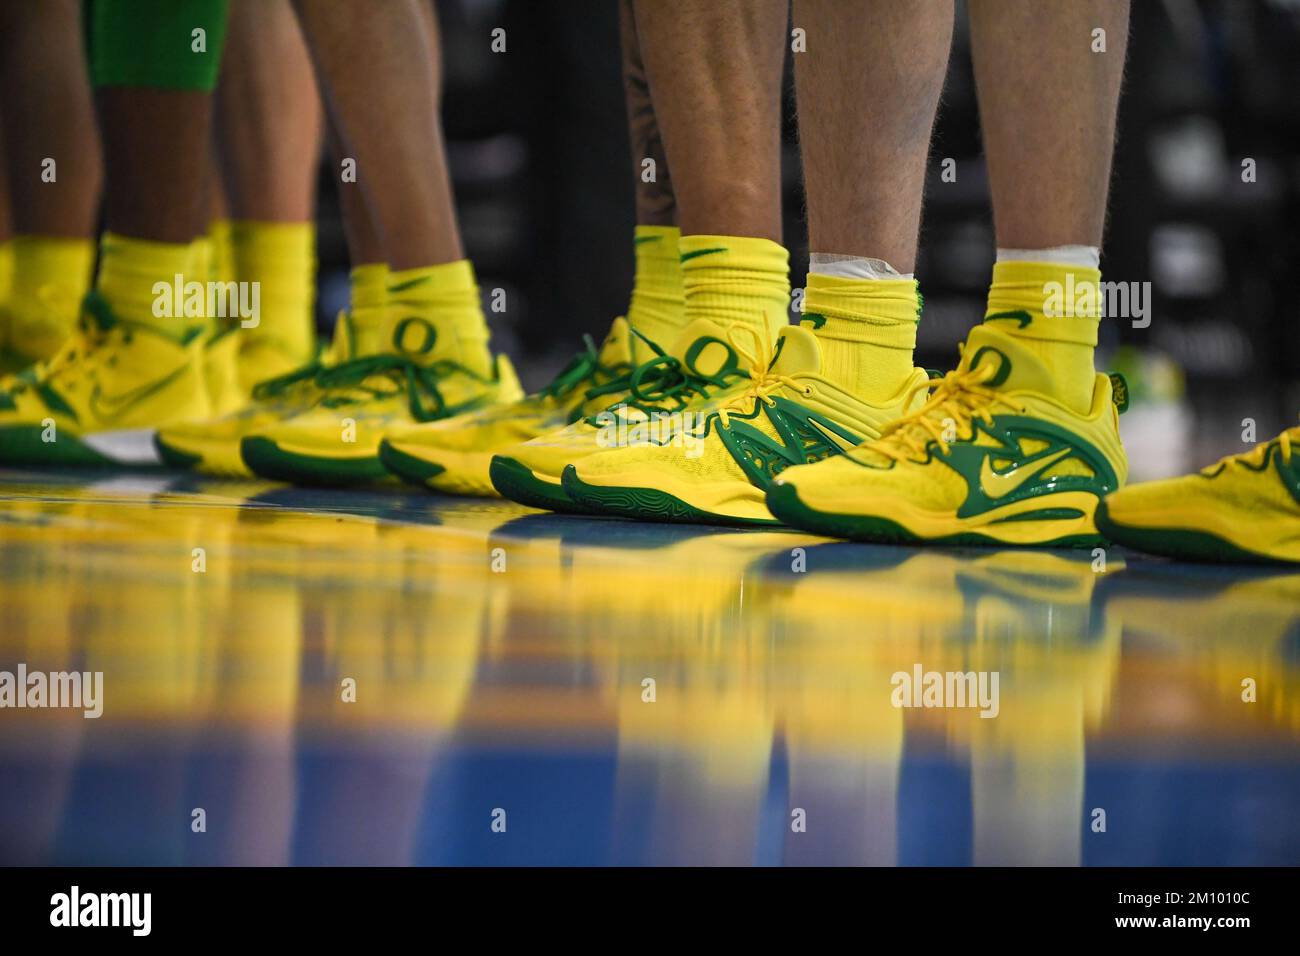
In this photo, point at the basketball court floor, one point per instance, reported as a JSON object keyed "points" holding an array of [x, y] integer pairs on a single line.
{"points": [[388, 677]]}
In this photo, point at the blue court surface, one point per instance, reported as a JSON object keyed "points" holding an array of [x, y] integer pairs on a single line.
{"points": [[387, 677]]}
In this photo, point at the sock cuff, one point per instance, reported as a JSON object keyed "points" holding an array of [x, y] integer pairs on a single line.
{"points": [[733, 253], [883, 312], [427, 282], [43, 260], [272, 239], [127, 252], [734, 266], [1050, 301], [656, 243]]}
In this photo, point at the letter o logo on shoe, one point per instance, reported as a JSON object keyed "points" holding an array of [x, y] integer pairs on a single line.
{"points": [[403, 339]]}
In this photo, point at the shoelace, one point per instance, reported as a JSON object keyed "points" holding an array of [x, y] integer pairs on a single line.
{"points": [[1257, 457], [659, 381], [96, 327], [763, 381], [359, 381], [327, 356], [584, 367], [958, 399]]}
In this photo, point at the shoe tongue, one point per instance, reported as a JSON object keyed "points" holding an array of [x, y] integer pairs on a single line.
{"points": [[703, 346], [798, 352], [617, 347], [1018, 369]]}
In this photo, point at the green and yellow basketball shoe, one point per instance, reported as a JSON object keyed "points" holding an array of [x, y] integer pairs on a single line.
{"points": [[102, 397], [211, 445], [991, 458], [453, 455], [701, 368], [336, 442], [717, 465], [1245, 508]]}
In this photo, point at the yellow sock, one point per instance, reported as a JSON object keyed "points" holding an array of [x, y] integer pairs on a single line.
{"points": [[221, 242], [658, 308], [6, 269], [1054, 310], [140, 278], [281, 258], [442, 300], [363, 330], [50, 278], [867, 330], [736, 279], [6, 277]]}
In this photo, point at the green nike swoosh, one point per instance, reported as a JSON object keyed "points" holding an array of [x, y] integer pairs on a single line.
{"points": [[408, 284], [999, 484], [701, 252], [642, 240], [109, 407], [1015, 315]]}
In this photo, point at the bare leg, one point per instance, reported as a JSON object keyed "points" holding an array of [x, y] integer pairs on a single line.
{"points": [[395, 138], [715, 72], [868, 90], [656, 205], [268, 115], [48, 115], [157, 193], [364, 245], [1048, 121]]}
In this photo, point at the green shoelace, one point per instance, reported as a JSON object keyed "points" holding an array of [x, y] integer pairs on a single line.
{"points": [[661, 380], [349, 383]]}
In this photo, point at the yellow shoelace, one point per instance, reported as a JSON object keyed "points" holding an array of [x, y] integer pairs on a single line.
{"points": [[763, 381], [959, 398], [1257, 457]]}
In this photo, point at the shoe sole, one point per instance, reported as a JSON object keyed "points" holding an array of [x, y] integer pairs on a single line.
{"points": [[210, 458], [132, 447], [267, 459], [649, 504], [1180, 543], [784, 502], [464, 473], [519, 483]]}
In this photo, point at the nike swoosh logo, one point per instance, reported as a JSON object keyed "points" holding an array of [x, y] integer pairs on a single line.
{"points": [[999, 484], [701, 252], [642, 240], [1018, 315], [408, 284], [839, 441], [109, 407]]}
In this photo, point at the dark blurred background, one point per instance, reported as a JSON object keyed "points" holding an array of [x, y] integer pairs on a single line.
{"points": [[539, 155]]}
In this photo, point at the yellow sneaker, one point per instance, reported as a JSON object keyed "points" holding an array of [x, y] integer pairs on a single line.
{"points": [[991, 458], [1244, 508], [221, 370], [453, 455], [701, 367], [101, 398], [337, 440], [211, 445], [717, 465]]}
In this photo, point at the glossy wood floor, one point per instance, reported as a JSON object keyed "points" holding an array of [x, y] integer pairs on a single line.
{"points": [[386, 677]]}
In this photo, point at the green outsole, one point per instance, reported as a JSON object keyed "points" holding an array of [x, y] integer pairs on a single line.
{"points": [[175, 458], [265, 458], [648, 504], [23, 445], [783, 501], [518, 483], [415, 471], [1178, 543]]}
